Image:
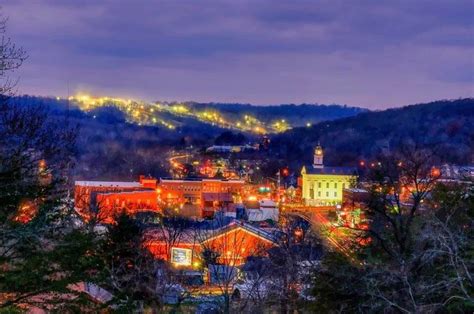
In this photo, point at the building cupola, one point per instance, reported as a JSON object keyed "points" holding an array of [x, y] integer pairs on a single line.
{"points": [[318, 157]]}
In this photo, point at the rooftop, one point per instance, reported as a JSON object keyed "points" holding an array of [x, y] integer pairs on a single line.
{"points": [[131, 184], [139, 192], [356, 190], [245, 226], [167, 179], [330, 170]]}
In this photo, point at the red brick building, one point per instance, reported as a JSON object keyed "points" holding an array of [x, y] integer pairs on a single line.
{"points": [[232, 243], [111, 204], [208, 195], [235, 242], [107, 198]]}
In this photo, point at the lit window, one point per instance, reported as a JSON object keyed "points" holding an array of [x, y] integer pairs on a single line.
{"points": [[181, 256]]}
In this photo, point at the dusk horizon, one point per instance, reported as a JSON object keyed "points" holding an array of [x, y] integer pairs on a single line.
{"points": [[374, 56], [211, 101]]}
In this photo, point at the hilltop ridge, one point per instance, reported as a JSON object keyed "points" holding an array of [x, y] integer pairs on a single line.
{"points": [[446, 125]]}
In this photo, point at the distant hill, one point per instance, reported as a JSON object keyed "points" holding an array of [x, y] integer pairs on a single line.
{"points": [[446, 125], [295, 115], [179, 115], [122, 138]]}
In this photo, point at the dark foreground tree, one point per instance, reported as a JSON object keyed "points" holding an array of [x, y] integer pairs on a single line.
{"points": [[130, 271], [42, 256], [416, 255]]}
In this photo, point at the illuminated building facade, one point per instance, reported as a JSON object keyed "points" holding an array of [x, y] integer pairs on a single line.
{"points": [[322, 185], [184, 251], [235, 242], [205, 194], [107, 198], [111, 204], [232, 243]]}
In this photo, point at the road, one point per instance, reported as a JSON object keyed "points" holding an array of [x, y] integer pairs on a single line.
{"points": [[334, 236], [175, 164], [173, 160]]}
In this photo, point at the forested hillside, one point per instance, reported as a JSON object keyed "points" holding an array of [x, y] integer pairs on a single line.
{"points": [[447, 126], [295, 115], [113, 143], [111, 146]]}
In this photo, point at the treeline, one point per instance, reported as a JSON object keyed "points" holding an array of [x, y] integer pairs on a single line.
{"points": [[110, 148], [445, 126], [296, 115]]}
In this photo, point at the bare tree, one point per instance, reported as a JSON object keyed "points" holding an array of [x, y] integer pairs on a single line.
{"points": [[293, 260], [171, 284], [225, 249], [417, 258], [36, 153], [11, 58], [448, 238]]}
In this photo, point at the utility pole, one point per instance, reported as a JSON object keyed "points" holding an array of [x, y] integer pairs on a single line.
{"points": [[278, 186]]}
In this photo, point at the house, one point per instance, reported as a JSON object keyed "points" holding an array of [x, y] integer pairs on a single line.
{"points": [[235, 242], [231, 244], [266, 209]]}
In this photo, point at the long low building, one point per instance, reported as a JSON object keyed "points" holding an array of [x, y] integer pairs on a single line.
{"points": [[104, 199]]}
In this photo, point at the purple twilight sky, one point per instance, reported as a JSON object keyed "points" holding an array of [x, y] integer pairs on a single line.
{"points": [[374, 54]]}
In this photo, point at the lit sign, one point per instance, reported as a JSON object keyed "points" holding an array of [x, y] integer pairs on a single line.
{"points": [[181, 256], [264, 189]]}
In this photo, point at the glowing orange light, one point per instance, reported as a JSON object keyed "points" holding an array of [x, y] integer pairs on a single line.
{"points": [[435, 172]]}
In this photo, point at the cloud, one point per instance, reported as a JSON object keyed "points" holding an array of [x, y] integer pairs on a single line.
{"points": [[368, 53]]}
